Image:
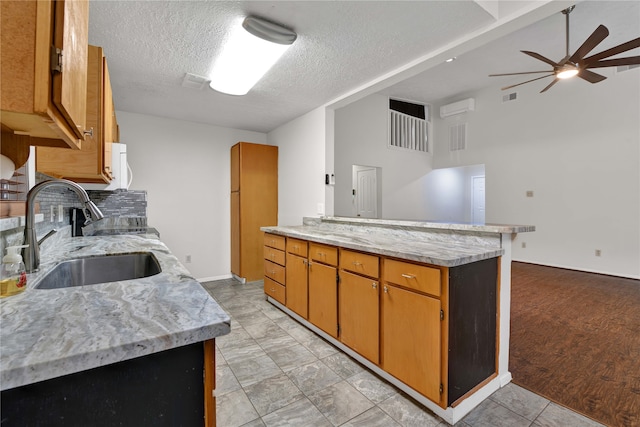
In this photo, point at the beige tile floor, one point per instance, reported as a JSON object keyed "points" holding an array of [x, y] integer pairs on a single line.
{"points": [[271, 371]]}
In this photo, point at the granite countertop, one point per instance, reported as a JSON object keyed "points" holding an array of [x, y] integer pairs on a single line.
{"points": [[47, 333], [444, 249]]}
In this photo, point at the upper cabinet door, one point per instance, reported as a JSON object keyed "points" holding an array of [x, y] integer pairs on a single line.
{"points": [[71, 35]]}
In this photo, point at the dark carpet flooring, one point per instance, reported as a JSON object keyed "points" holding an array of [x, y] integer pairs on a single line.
{"points": [[575, 339]]}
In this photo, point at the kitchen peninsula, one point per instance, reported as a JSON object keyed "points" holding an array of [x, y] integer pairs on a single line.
{"points": [[130, 352], [424, 305]]}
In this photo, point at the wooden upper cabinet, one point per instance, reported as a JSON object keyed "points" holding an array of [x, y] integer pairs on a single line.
{"points": [[235, 168], [92, 163], [71, 37], [42, 97]]}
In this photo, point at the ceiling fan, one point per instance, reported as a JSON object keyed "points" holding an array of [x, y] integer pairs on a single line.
{"points": [[577, 64]]}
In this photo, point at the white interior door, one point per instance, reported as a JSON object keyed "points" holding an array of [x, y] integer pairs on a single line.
{"points": [[477, 199], [366, 199]]}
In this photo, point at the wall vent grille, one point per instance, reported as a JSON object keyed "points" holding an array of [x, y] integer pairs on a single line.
{"points": [[510, 97], [458, 137], [623, 68]]}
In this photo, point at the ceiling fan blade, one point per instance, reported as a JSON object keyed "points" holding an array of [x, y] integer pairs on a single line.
{"points": [[590, 43], [550, 84], [590, 76], [539, 57], [524, 72], [528, 81], [631, 60], [631, 44]]}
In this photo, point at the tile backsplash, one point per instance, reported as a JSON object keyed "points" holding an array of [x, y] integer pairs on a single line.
{"points": [[118, 203]]}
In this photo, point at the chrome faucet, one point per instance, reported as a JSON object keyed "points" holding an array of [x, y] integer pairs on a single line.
{"points": [[31, 254]]}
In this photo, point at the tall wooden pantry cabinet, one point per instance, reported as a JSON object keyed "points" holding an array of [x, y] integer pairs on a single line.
{"points": [[254, 204]]}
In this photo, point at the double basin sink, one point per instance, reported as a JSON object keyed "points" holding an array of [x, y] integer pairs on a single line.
{"points": [[100, 269]]}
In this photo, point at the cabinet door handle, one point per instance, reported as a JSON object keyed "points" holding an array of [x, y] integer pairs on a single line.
{"points": [[356, 263], [374, 285], [385, 289], [408, 276]]}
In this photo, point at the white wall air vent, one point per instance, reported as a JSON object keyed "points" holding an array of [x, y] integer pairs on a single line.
{"points": [[458, 137], [622, 68], [459, 107], [510, 97]]}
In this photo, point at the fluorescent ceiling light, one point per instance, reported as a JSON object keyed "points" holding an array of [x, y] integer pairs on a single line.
{"points": [[250, 51]]}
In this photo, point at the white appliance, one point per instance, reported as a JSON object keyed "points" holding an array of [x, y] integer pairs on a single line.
{"points": [[459, 107], [121, 171]]}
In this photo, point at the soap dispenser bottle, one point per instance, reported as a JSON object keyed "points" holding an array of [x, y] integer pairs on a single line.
{"points": [[13, 276]]}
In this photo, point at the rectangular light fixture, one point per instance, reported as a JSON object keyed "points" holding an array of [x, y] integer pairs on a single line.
{"points": [[250, 51]]}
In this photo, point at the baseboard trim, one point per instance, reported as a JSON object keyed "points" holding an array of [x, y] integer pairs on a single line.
{"points": [[584, 270], [213, 278]]}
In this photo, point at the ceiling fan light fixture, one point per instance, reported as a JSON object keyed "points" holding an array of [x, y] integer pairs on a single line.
{"points": [[249, 52], [567, 72]]}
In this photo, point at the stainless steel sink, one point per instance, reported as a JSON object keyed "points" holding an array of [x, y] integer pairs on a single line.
{"points": [[100, 269]]}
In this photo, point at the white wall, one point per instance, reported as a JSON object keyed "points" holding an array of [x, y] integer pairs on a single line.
{"points": [[301, 166], [448, 193], [184, 167], [361, 130], [577, 147]]}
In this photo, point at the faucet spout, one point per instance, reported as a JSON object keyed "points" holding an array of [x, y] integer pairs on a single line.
{"points": [[31, 254]]}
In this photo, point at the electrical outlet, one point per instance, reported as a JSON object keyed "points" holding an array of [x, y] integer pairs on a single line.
{"points": [[187, 259], [524, 245], [598, 252]]}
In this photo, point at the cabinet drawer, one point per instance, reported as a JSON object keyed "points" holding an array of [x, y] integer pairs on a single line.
{"points": [[413, 276], [297, 247], [274, 241], [323, 253], [274, 271], [274, 255], [367, 265], [274, 290]]}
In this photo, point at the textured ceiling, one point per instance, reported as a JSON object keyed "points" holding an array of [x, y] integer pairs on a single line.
{"points": [[341, 45]]}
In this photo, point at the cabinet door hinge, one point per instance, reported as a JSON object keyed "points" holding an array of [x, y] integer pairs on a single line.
{"points": [[441, 314], [56, 59], [338, 329], [338, 278], [441, 388]]}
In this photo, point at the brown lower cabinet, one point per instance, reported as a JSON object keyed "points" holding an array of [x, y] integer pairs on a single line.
{"points": [[360, 315], [411, 331], [323, 287], [323, 297], [433, 328], [297, 276]]}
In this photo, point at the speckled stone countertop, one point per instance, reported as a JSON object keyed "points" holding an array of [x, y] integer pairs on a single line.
{"points": [[447, 245], [47, 333]]}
